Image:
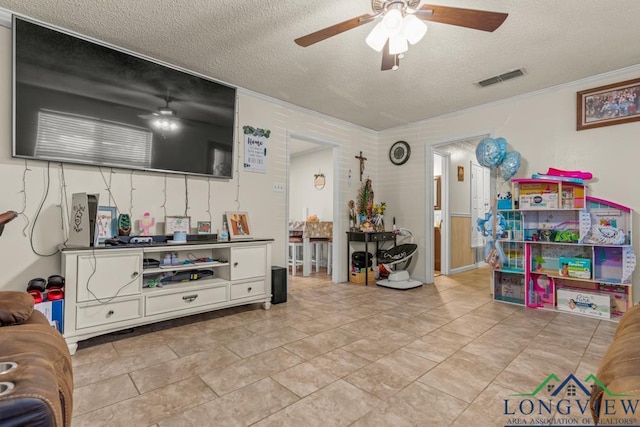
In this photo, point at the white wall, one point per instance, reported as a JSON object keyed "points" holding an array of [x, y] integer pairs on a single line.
{"points": [[254, 191], [542, 127], [302, 194]]}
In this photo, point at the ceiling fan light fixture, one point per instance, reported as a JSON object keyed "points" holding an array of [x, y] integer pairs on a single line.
{"points": [[377, 37], [413, 29], [398, 44], [392, 22], [165, 124]]}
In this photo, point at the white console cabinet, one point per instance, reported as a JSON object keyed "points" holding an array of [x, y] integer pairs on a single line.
{"points": [[111, 288]]}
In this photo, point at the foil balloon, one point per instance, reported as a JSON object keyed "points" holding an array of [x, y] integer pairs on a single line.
{"points": [[510, 165], [488, 153], [502, 146]]}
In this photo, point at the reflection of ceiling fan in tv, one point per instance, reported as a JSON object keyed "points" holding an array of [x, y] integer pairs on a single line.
{"points": [[401, 23], [166, 119]]}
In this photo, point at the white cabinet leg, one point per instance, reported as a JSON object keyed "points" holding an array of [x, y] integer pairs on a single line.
{"points": [[72, 347], [266, 305]]}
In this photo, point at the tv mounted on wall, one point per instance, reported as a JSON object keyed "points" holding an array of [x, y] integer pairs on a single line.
{"points": [[78, 100]]}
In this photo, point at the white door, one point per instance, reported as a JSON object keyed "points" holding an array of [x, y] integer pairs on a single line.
{"points": [[480, 200]]}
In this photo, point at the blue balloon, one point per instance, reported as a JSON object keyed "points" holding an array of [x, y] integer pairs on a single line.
{"points": [[502, 146], [510, 165], [488, 153]]}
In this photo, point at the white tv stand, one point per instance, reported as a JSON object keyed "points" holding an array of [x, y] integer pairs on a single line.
{"points": [[107, 287]]}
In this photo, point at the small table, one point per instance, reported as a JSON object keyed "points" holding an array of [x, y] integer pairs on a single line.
{"points": [[366, 237], [310, 230]]}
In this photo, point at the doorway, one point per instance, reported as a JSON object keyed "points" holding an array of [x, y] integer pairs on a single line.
{"points": [[312, 193], [465, 189]]}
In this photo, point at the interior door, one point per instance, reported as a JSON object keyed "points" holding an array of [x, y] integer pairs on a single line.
{"points": [[480, 200]]}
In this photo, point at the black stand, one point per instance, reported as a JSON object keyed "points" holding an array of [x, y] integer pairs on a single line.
{"points": [[359, 236]]}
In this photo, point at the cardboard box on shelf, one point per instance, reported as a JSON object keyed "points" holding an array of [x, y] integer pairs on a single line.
{"points": [[587, 303], [53, 311], [513, 291], [575, 267], [620, 301], [539, 201], [358, 277]]}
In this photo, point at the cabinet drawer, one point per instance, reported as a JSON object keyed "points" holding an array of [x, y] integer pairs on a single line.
{"points": [[248, 289], [107, 275], [163, 303], [248, 262], [103, 314], [377, 237]]}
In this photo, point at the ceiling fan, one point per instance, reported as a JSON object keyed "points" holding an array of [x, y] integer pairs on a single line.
{"points": [[166, 119], [401, 24]]}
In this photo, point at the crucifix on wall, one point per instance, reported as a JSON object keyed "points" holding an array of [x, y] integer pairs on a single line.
{"points": [[362, 160]]}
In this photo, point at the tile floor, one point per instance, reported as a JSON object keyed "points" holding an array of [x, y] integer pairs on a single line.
{"points": [[336, 355]]}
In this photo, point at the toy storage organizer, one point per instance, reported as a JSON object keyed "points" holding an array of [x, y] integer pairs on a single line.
{"points": [[565, 251]]}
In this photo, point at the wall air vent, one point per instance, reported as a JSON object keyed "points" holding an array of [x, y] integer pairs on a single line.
{"points": [[502, 77]]}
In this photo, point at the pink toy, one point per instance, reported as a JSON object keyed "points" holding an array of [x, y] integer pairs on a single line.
{"points": [[146, 223], [570, 174]]}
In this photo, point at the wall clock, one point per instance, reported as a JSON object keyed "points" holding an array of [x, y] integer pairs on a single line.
{"points": [[399, 153]]}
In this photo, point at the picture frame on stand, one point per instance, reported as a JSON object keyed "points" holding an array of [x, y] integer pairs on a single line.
{"points": [[106, 223], [177, 224], [238, 224]]}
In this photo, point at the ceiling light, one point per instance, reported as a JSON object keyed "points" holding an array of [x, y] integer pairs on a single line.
{"points": [[399, 28], [413, 29], [392, 22], [165, 124], [398, 44], [377, 37]]}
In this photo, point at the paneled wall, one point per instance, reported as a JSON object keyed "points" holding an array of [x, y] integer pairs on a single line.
{"points": [[139, 192]]}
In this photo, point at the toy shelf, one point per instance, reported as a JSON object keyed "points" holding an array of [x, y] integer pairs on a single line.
{"points": [[565, 251], [532, 193]]}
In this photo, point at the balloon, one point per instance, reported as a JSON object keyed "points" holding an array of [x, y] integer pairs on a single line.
{"points": [[502, 146], [510, 165], [488, 153]]}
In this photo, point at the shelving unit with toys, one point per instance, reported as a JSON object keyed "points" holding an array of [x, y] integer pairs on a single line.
{"points": [[564, 250]]}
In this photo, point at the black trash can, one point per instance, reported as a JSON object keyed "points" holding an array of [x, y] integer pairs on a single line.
{"points": [[278, 284]]}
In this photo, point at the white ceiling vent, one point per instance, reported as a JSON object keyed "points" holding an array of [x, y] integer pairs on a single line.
{"points": [[502, 77]]}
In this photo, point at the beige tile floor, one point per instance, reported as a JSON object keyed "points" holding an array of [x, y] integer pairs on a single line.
{"points": [[337, 355]]}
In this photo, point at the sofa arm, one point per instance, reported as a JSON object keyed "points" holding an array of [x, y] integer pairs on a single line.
{"points": [[42, 381], [15, 307], [619, 373]]}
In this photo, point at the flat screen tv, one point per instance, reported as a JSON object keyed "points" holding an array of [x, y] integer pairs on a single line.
{"points": [[78, 100]]}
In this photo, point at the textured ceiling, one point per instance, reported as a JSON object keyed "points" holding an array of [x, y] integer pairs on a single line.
{"points": [[250, 44]]}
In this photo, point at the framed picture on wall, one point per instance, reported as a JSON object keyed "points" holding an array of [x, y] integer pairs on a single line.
{"points": [[437, 192], [609, 105], [238, 224]]}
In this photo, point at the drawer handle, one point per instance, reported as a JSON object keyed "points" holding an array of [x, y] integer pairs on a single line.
{"points": [[249, 289], [190, 298], [235, 264], [110, 313]]}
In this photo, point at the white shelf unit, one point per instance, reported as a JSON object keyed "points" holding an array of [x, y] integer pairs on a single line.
{"points": [[107, 289]]}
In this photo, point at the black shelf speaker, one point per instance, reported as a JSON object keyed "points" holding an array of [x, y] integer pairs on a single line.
{"points": [[278, 285]]}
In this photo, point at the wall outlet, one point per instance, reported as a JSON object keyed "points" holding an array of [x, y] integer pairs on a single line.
{"points": [[278, 187]]}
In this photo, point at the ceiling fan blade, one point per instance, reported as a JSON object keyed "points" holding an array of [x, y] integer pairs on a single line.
{"points": [[333, 30], [388, 60], [469, 18]]}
